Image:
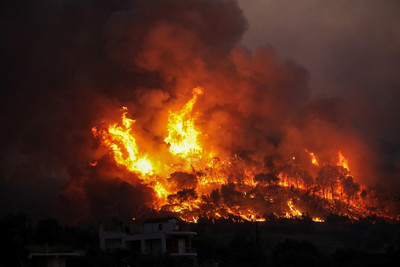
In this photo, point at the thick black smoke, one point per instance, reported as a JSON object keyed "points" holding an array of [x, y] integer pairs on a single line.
{"points": [[68, 65]]}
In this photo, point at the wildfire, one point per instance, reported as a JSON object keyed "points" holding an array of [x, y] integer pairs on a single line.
{"points": [[93, 164], [342, 161], [194, 183], [122, 143], [313, 158], [182, 132], [293, 211]]}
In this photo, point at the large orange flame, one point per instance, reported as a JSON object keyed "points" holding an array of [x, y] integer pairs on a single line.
{"points": [[182, 133], [294, 212], [342, 161], [122, 143], [192, 182]]}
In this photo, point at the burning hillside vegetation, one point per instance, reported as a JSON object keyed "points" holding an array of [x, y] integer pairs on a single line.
{"points": [[132, 107], [192, 182]]}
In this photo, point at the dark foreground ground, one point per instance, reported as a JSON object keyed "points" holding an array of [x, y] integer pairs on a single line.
{"points": [[278, 242]]}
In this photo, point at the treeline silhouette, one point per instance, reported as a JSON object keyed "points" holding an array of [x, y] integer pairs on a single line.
{"points": [[287, 242], [19, 237], [278, 242]]}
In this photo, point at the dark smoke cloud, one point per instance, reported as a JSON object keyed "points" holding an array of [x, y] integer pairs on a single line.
{"points": [[352, 49], [55, 88], [69, 65]]}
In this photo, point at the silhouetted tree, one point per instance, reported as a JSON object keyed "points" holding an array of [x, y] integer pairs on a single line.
{"points": [[48, 231], [298, 253], [350, 187], [329, 176], [15, 232], [266, 178], [215, 196]]}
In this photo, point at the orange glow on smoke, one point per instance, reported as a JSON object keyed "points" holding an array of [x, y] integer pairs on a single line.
{"points": [[192, 182]]}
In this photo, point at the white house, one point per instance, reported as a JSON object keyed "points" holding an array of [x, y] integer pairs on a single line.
{"points": [[158, 236]]}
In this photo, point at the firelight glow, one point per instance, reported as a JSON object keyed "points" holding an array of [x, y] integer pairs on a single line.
{"points": [[182, 132], [197, 183], [313, 158], [122, 143]]}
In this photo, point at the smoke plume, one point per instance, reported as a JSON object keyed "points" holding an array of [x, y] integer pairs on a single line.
{"points": [[71, 65]]}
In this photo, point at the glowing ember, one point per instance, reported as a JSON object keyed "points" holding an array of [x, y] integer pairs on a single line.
{"points": [[313, 158], [93, 164]]}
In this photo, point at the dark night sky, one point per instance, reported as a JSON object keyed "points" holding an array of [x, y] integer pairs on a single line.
{"points": [[67, 64]]}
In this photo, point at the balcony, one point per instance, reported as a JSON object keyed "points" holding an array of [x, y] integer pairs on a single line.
{"points": [[187, 252]]}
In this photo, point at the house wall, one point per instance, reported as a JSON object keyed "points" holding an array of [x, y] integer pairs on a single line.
{"points": [[113, 243], [161, 227], [153, 246], [157, 238], [173, 244], [134, 245], [48, 262], [56, 262]]}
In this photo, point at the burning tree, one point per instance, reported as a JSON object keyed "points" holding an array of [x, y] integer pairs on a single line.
{"points": [[193, 182]]}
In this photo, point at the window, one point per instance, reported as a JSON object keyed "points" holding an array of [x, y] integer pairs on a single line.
{"points": [[160, 227]]}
